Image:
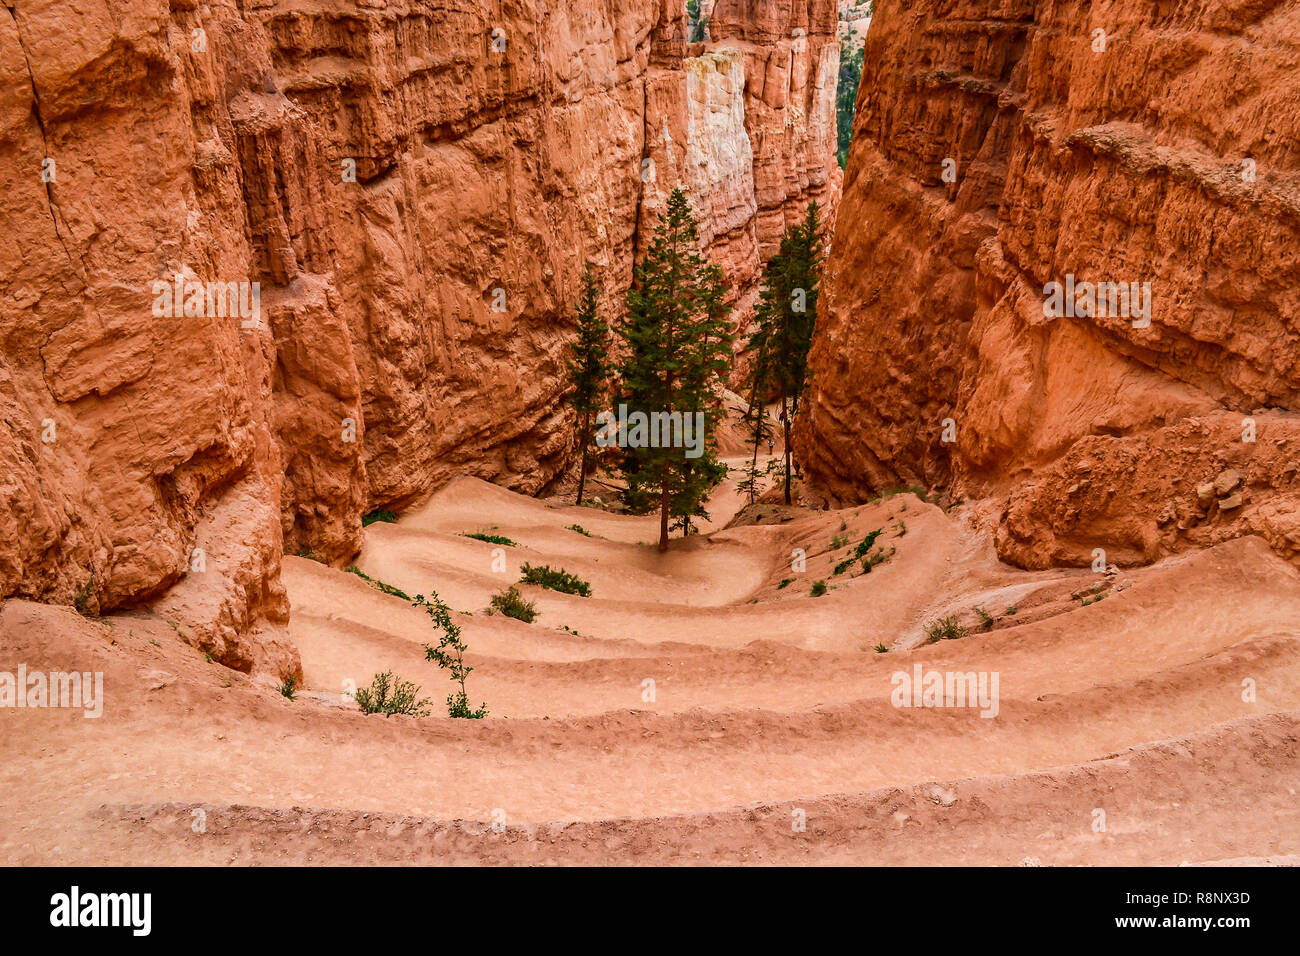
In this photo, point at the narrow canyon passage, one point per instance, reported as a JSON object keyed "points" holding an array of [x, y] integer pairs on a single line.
{"points": [[767, 704], [1045, 443]]}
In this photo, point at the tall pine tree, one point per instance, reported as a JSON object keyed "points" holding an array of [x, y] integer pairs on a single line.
{"points": [[677, 346], [785, 318], [589, 370]]}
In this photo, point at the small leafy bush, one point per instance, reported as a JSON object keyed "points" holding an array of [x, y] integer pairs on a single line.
{"points": [[986, 619], [81, 600], [785, 582], [879, 556], [289, 687], [512, 604], [449, 654], [945, 629], [388, 695], [382, 514], [578, 528], [818, 588], [557, 579]]}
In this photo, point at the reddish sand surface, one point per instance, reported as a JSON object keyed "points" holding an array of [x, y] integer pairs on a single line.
{"points": [[1125, 730]]}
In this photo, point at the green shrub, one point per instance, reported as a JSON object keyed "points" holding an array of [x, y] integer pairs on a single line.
{"points": [[844, 565], [512, 604], [289, 687], [381, 515], [557, 579], [838, 542], [81, 600], [865, 544], [1013, 609], [879, 556], [378, 585], [489, 538], [945, 629], [388, 695], [818, 588], [578, 528], [785, 582], [881, 649], [986, 619]]}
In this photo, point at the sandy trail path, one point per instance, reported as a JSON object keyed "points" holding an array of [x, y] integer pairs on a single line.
{"points": [[767, 701]]}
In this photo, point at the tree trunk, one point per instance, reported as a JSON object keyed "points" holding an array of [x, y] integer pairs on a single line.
{"points": [[582, 473], [785, 427], [582, 477], [663, 518]]}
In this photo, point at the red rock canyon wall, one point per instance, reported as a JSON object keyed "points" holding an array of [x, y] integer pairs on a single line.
{"points": [[414, 187], [1169, 155]]}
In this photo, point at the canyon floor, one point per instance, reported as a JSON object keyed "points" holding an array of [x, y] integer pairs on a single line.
{"points": [[1120, 701]]}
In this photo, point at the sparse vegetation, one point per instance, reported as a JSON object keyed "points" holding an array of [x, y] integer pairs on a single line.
{"points": [[818, 588], [844, 565], [310, 555], [383, 514], [986, 619], [449, 654], [557, 579], [900, 529], [378, 585], [513, 604], [388, 695], [289, 686], [879, 556], [881, 649], [81, 600], [839, 541], [489, 538], [578, 528], [945, 629], [1012, 609], [785, 582]]}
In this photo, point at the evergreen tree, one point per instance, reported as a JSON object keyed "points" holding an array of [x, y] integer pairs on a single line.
{"points": [[677, 346], [589, 370], [846, 97], [785, 318]]}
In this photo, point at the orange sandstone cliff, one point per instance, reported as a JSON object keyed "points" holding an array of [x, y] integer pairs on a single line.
{"points": [[414, 188], [1128, 142]]}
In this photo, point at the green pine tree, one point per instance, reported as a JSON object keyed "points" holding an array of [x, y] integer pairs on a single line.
{"points": [[677, 345], [784, 319], [589, 371]]}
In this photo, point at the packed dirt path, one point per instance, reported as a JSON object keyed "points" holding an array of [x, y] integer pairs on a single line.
{"points": [[700, 706]]}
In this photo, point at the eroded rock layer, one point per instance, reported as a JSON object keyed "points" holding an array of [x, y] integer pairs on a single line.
{"points": [[1125, 143], [413, 187]]}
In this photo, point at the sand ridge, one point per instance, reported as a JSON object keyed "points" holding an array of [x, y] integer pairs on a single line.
{"points": [[768, 702]]}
